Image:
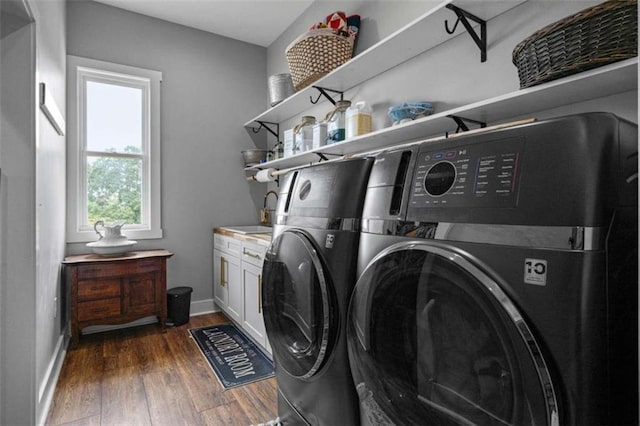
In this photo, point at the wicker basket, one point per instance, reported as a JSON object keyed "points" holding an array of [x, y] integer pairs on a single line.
{"points": [[315, 54], [600, 35]]}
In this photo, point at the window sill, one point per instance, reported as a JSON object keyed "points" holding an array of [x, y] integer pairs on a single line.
{"points": [[132, 234]]}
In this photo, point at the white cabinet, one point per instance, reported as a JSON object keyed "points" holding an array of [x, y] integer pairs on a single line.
{"points": [[237, 283], [227, 277], [252, 319]]}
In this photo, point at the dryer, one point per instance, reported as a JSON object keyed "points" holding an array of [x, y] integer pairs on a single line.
{"points": [[308, 277], [498, 279]]}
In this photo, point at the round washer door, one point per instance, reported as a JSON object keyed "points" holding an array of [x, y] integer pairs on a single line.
{"points": [[434, 340], [299, 304]]}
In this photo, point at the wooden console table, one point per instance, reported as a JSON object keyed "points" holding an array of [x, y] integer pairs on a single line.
{"points": [[109, 290]]}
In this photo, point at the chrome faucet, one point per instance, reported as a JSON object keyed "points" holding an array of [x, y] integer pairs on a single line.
{"points": [[265, 213]]}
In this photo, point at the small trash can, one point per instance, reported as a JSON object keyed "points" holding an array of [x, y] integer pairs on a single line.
{"points": [[178, 305]]}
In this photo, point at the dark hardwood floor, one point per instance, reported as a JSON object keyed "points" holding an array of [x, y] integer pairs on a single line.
{"points": [[140, 376]]}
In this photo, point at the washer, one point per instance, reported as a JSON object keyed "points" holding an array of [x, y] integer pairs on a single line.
{"points": [[498, 279], [309, 274]]}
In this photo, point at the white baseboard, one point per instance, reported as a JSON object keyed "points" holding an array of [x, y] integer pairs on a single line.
{"points": [[201, 307], [50, 379]]}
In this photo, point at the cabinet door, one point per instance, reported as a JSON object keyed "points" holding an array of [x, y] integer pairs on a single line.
{"points": [[142, 294], [234, 280], [227, 281], [220, 290], [252, 320]]}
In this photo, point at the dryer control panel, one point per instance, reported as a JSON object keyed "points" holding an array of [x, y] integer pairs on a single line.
{"points": [[476, 175]]}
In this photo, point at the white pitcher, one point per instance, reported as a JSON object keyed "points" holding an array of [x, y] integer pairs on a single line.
{"points": [[111, 231]]}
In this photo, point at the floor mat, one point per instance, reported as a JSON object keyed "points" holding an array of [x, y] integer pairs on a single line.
{"points": [[234, 358]]}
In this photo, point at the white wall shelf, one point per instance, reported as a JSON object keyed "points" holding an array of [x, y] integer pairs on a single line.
{"points": [[417, 37], [611, 79]]}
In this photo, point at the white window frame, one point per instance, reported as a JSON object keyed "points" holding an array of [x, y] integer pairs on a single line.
{"points": [[79, 71]]}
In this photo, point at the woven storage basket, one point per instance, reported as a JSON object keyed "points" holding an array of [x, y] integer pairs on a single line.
{"points": [[600, 35], [315, 54]]}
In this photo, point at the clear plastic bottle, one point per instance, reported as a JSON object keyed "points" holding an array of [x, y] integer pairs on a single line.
{"points": [[304, 133], [358, 119]]}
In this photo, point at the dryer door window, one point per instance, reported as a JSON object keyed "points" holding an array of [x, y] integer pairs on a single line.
{"points": [[299, 305], [434, 340]]}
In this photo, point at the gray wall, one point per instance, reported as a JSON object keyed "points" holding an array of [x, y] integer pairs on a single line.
{"points": [[211, 86], [449, 75], [32, 212]]}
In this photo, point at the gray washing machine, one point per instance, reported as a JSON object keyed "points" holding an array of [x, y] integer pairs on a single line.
{"points": [[498, 279], [308, 276]]}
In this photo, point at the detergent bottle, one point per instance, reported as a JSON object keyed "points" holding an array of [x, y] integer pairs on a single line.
{"points": [[358, 119]]}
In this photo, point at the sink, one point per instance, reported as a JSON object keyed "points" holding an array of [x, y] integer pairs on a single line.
{"points": [[249, 229]]}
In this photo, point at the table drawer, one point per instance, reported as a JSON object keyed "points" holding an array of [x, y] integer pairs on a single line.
{"points": [[125, 268], [98, 289], [97, 270], [98, 309]]}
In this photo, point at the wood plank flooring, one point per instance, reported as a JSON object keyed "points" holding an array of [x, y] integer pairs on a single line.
{"points": [[140, 376]]}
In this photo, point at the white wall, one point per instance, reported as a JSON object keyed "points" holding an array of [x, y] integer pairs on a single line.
{"points": [[211, 85], [32, 158]]}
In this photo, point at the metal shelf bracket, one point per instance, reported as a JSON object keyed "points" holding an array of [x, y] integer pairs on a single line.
{"points": [[323, 156], [323, 92], [265, 125], [462, 123], [464, 16]]}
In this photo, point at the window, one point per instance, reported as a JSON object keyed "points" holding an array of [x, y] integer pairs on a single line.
{"points": [[114, 148]]}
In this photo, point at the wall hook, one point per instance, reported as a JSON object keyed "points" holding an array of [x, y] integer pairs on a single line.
{"points": [[323, 92], [464, 16], [316, 100], [446, 26]]}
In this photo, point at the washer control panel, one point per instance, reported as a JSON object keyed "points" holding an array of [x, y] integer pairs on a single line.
{"points": [[477, 175]]}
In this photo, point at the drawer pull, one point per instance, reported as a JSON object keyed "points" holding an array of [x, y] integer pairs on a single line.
{"points": [[248, 253], [223, 282]]}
